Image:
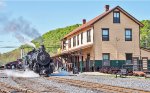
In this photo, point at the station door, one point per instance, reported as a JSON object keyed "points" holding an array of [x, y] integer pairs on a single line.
{"points": [[135, 61], [145, 63]]}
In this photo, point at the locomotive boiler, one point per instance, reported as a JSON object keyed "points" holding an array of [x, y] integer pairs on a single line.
{"points": [[39, 61]]}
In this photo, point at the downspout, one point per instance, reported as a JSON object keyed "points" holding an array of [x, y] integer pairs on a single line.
{"points": [[140, 61], [117, 51], [93, 49]]}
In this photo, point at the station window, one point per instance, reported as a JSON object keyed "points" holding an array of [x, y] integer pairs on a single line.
{"points": [[69, 43], [106, 56], [89, 35], [74, 41], [64, 44], [105, 34], [77, 39], [128, 58], [116, 17], [128, 34], [106, 59], [82, 38]]}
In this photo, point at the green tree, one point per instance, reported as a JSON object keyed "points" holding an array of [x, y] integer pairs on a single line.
{"points": [[145, 34]]}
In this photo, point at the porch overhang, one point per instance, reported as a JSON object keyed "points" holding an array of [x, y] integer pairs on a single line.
{"points": [[65, 52], [78, 48]]}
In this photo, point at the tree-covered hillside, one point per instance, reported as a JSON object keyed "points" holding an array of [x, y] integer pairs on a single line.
{"points": [[52, 38], [51, 41]]}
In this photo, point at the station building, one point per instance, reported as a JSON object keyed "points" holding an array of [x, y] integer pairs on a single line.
{"points": [[110, 39]]}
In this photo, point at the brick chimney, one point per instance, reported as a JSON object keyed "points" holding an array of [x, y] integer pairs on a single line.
{"points": [[106, 8], [84, 21]]}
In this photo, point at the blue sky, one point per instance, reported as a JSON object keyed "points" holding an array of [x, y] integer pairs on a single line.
{"points": [[45, 15]]}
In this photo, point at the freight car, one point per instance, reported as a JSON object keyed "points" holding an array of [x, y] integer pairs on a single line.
{"points": [[39, 61], [14, 64]]}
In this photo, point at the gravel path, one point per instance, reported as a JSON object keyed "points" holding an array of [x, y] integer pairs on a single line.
{"points": [[9, 81], [137, 83], [67, 88], [40, 83]]}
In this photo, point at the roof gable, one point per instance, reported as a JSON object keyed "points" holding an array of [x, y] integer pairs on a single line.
{"points": [[130, 16], [94, 20]]}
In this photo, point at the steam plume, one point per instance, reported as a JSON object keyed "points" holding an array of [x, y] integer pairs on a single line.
{"points": [[15, 73], [21, 29], [22, 39]]}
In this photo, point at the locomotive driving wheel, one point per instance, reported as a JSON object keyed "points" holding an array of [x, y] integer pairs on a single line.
{"points": [[31, 65], [36, 67]]}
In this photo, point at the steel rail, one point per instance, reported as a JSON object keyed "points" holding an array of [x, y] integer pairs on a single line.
{"points": [[97, 86], [30, 84], [5, 88]]}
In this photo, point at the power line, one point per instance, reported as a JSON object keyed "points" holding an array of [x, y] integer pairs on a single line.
{"points": [[26, 47], [8, 46], [9, 42]]}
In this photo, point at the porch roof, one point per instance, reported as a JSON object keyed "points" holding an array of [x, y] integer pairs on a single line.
{"points": [[73, 50]]}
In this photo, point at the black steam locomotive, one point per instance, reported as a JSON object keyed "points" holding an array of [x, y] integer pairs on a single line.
{"points": [[39, 61]]}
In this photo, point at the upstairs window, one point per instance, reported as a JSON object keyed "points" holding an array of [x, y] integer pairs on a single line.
{"points": [[82, 38], [105, 34], [116, 17], [64, 44], [69, 43], [128, 34], [74, 41], [89, 35], [77, 39]]}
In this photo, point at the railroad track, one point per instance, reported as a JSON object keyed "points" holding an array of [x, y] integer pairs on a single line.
{"points": [[35, 86], [97, 86], [5, 88]]}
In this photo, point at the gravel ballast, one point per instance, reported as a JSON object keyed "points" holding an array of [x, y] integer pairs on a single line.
{"points": [[129, 82], [45, 83]]}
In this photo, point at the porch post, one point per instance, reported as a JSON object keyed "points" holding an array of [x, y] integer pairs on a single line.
{"points": [[80, 59], [74, 61], [80, 64]]}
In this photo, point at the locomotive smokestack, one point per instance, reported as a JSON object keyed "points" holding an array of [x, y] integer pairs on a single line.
{"points": [[42, 47]]}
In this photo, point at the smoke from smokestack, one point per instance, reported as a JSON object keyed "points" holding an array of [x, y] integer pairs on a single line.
{"points": [[23, 40], [21, 29]]}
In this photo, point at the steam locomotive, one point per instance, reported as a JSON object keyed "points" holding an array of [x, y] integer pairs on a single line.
{"points": [[39, 61]]}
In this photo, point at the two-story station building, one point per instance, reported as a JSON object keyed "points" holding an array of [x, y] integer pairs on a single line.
{"points": [[110, 39]]}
